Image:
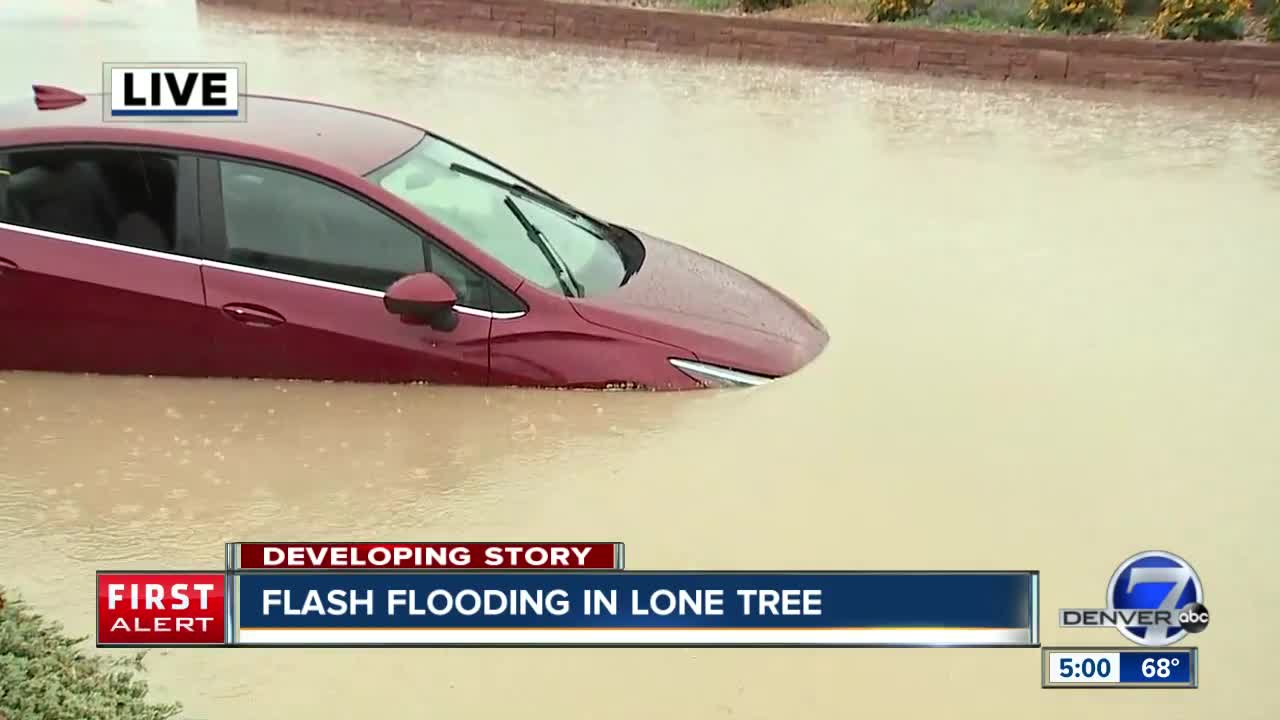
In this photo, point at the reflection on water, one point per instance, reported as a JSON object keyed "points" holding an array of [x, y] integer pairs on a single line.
{"points": [[1054, 331]]}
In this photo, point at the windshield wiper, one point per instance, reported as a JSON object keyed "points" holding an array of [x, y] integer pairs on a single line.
{"points": [[541, 198], [571, 286]]}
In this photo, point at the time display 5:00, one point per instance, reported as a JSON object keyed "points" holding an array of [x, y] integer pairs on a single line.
{"points": [[1086, 667]]}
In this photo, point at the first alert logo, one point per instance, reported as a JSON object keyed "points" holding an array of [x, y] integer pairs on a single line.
{"points": [[161, 609], [173, 597]]}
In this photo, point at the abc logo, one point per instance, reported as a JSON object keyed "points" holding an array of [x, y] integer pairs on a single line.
{"points": [[1194, 618]]}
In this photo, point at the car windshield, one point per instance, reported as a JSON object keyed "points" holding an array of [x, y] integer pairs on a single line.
{"points": [[536, 236]]}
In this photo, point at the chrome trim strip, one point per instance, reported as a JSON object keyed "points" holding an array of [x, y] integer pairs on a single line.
{"points": [[273, 275], [101, 244], [719, 373], [228, 589], [476, 312], [488, 313], [1035, 609]]}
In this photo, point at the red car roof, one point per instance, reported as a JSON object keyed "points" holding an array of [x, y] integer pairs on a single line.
{"points": [[353, 140]]}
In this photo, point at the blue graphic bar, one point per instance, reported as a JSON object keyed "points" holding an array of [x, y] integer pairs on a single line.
{"points": [[974, 609], [1160, 667]]}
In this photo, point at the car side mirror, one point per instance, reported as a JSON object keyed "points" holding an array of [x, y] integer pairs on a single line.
{"points": [[423, 299]]}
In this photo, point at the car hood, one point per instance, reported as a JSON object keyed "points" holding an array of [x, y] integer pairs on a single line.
{"points": [[715, 313]]}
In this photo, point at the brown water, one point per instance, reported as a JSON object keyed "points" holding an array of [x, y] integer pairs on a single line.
{"points": [[1055, 333]]}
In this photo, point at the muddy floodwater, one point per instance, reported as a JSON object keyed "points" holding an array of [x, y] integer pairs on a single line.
{"points": [[1055, 324]]}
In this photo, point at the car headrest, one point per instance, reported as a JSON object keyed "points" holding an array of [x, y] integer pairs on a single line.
{"points": [[138, 230]]}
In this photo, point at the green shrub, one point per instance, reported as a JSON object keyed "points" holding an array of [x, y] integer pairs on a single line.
{"points": [[1202, 19], [894, 10], [752, 6], [1273, 23], [1076, 16], [45, 676]]}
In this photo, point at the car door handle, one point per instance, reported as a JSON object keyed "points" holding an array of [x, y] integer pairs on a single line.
{"points": [[255, 315], [7, 264]]}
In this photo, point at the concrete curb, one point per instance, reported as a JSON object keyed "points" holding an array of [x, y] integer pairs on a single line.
{"points": [[1228, 69]]}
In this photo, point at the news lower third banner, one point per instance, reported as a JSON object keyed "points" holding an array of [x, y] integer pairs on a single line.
{"points": [[334, 596]]}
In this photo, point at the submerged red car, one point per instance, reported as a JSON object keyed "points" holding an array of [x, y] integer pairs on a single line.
{"points": [[318, 242]]}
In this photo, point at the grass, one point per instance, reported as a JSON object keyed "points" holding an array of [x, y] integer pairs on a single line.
{"points": [[837, 11], [46, 675], [713, 5], [965, 21], [979, 15]]}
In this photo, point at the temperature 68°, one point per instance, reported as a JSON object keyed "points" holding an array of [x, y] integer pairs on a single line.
{"points": [[1157, 668]]}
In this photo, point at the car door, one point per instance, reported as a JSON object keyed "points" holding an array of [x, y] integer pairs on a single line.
{"points": [[97, 261], [295, 274]]}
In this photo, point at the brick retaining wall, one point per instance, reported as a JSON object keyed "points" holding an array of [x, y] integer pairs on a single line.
{"points": [[1221, 69]]}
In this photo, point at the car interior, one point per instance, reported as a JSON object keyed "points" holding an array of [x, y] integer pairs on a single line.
{"points": [[129, 197], [118, 196], [276, 221]]}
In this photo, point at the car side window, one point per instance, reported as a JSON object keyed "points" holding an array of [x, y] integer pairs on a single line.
{"points": [[121, 196], [280, 221]]}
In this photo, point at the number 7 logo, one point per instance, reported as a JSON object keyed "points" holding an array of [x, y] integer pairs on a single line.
{"points": [[1179, 576], [1154, 580]]}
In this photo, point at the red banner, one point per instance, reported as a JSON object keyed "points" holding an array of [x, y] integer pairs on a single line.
{"points": [[428, 556]]}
